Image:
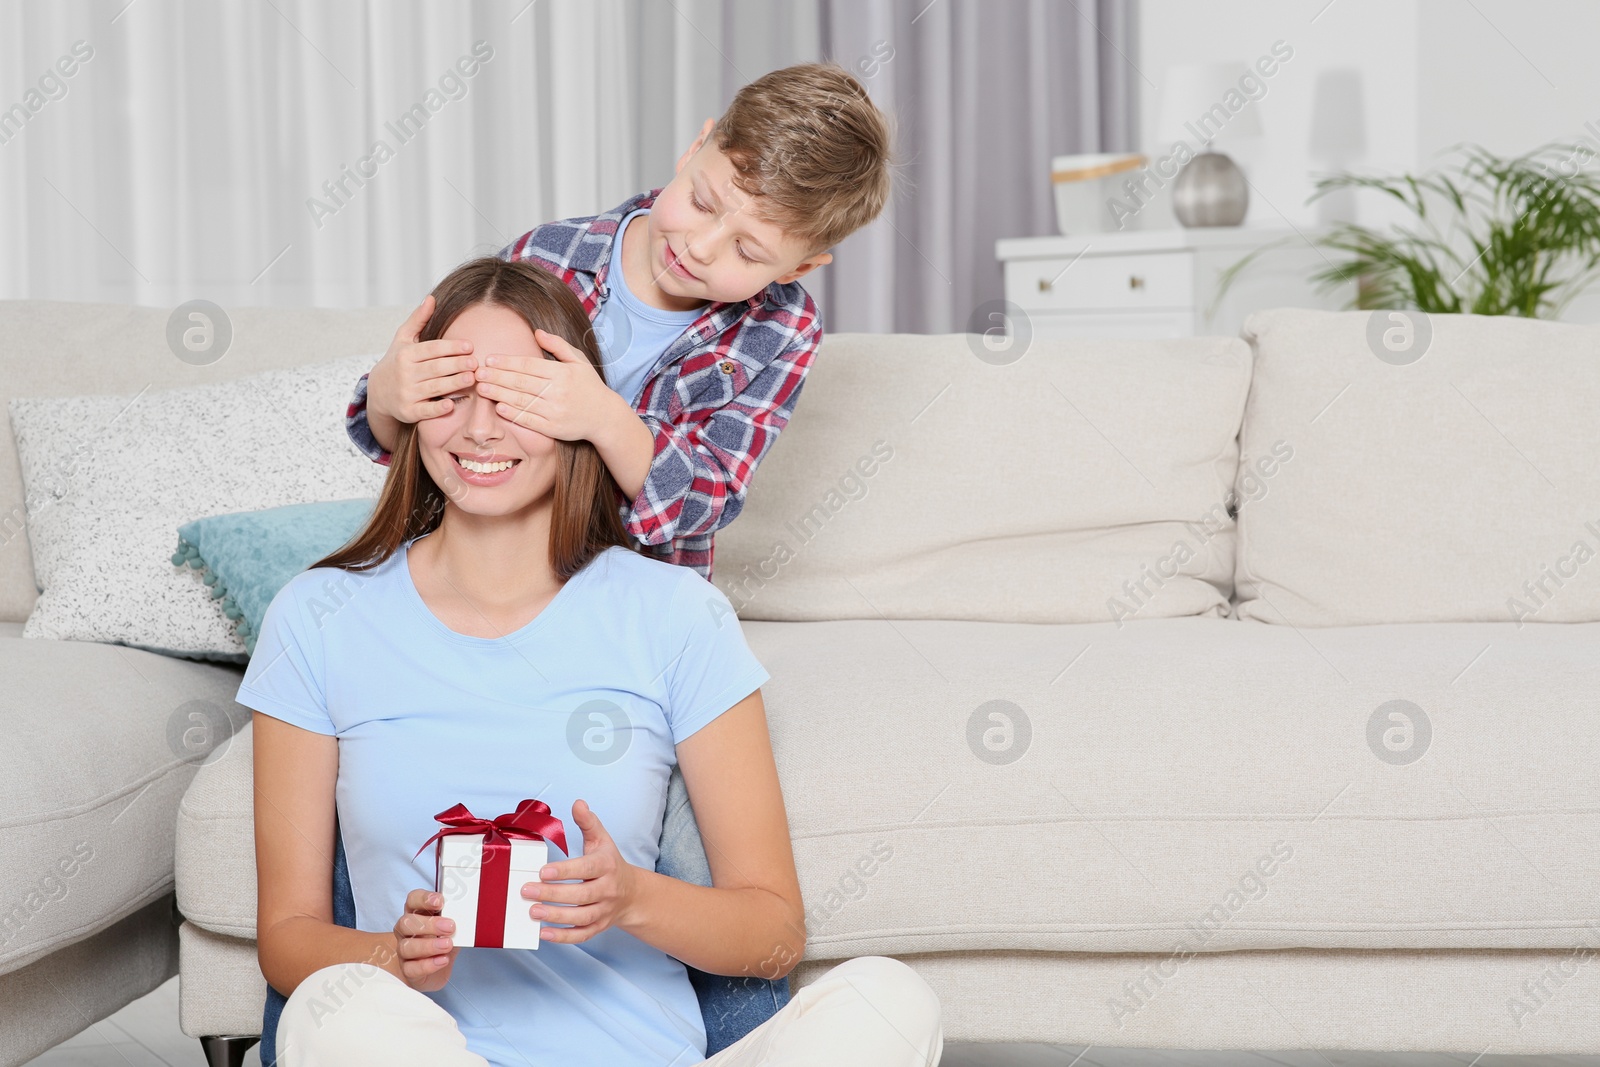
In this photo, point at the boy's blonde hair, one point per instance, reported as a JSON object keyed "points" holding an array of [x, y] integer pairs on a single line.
{"points": [[809, 141]]}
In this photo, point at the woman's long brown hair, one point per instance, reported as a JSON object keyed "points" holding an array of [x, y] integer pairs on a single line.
{"points": [[586, 513]]}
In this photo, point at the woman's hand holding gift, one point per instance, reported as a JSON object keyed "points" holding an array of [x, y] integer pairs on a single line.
{"points": [[604, 898], [427, 952]]}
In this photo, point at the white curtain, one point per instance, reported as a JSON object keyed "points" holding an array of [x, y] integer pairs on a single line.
{"points": [[260, 151], [187, 156]]}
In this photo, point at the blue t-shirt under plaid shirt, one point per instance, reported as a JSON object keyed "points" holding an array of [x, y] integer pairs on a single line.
{"points": [[633, 335]]}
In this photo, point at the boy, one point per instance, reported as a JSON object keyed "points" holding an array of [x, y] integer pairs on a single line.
{"points": [[707, 337], [707, 334]]}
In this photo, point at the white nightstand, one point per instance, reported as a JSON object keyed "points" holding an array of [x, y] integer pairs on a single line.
{"points": [[1158, 283]]}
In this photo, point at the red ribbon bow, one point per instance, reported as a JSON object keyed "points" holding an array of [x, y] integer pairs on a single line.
{"points": [[531, 821]]}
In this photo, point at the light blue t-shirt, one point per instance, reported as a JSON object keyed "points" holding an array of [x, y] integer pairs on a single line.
{"points": [[632, 334], [588, 700]]}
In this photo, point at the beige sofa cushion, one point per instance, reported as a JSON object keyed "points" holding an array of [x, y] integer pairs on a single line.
{"points": [[101, 743], [1463, 485], [215, 851], [916, 480], [1225, 785]]}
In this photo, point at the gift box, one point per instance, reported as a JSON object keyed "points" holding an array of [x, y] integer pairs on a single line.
{"points": [[481, 866]]}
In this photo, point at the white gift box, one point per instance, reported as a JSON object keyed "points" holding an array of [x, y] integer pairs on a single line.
{"points": [[459, 878]]}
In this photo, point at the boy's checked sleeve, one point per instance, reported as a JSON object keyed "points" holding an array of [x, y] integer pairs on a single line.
{"points": [[359, 431], [701, 469]]}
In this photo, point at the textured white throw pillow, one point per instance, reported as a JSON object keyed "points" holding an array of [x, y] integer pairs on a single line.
{"points": [[1445, 468], [109, 479]]}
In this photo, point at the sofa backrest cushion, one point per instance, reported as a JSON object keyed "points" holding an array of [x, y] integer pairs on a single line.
{"points": [[56, 348], [1444, 468], [1086, 481]]}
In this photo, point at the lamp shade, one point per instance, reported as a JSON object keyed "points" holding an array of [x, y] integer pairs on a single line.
{"points": [[1203, 102], [1338, 126]]}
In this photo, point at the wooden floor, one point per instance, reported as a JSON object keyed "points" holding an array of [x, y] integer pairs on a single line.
{"points": [[146, 1034]]}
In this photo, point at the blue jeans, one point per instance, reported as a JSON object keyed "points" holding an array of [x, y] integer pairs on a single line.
{"points": [[731, 1007]]}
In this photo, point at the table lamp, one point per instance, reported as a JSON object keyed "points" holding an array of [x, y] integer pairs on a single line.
{"points": [[1338, 135]]}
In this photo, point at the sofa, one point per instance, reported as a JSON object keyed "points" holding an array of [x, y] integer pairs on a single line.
{"points": [[1213, 693]]}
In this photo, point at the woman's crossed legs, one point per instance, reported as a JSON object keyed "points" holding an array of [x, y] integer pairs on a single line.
{"points": [[872, 1010]]}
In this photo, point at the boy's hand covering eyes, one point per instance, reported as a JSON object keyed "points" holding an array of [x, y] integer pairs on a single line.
{"points": [[562, 397], [414, 379]]}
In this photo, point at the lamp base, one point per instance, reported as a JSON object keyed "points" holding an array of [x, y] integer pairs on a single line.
{"points": [[1210, 191]]}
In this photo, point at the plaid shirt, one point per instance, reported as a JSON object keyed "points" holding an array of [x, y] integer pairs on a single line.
{"points": [[715, 400]]}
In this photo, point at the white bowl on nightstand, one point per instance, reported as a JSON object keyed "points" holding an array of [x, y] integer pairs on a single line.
{"points": [[1084, 185]]}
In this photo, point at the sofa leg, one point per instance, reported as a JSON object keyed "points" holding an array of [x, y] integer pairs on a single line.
{"points": [[226, 1051]]}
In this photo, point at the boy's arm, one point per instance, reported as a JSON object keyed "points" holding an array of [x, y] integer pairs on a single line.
{"points": [[363, 431], [626, 444], [699, 473]]}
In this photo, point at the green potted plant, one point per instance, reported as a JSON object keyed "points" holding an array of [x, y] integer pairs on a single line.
{"points": [[1492, 236]]}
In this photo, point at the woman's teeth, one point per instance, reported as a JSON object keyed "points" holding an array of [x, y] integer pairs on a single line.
{"points": [[484, 468]]}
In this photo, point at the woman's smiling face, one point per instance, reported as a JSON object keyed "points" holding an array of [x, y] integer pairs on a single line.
{"points": [[474, 433]]}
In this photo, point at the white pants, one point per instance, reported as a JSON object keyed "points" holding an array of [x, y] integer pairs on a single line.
{"points": [[872, 1010]]}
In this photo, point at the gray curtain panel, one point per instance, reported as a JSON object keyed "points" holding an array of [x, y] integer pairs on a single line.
{"points": [[985, 92]]}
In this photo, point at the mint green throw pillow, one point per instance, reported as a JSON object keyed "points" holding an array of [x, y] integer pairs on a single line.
{"points": [[246, 557]]}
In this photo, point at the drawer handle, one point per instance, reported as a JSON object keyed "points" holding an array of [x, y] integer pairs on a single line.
{"points": [[1135, 282], [1045, 285]]}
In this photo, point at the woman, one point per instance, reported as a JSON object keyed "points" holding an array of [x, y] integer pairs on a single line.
{"points": [[491, 636]]}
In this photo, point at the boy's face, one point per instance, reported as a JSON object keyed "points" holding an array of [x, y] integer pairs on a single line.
{"points": [[708, 240]]}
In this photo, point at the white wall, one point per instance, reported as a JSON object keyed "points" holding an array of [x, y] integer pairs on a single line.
{"points": [[1374, 39], [1507, 74], [1510, 75]]}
